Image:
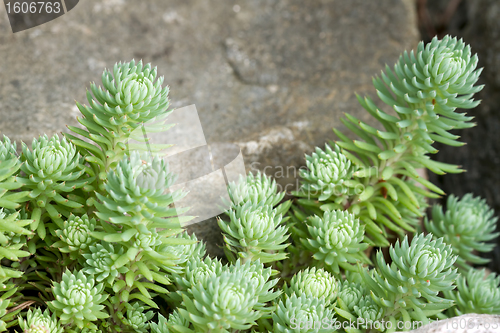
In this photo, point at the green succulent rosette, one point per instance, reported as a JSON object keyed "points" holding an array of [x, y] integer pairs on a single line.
{"points": [[7, 149], [138, 215], [419, 271], [255, 233], [40, 322], [468, 225], [13, 234], [131, 97], [10, 165], [425, 88], [258, 190], [78, 300], [160, 326], [75, 236], [304, 314], [136, 318], [336, 240], [368, 313], [175, 323], [54, 172], [329, 175], [314, 282], [350, 294], [223, 297], [99, 261], [226, 303], [196, 271], [137, 212], [477, 292], [184, 252], [137, 198]]}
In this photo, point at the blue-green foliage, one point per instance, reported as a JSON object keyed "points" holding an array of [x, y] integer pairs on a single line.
{"points": [[91, 240]]}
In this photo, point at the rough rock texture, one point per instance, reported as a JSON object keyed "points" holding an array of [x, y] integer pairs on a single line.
{"points": [[273, 76], [480, 157], [468, 323]]}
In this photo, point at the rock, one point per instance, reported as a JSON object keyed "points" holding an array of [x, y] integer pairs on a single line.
{"points": [[271, 75], [468, 323], [480, 156]]}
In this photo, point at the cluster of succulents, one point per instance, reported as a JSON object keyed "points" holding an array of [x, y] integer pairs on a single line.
{"points": [[91, 239]]}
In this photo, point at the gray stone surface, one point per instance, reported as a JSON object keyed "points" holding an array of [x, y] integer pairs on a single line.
{"points": [[272, 76], [468, 323], [480, 157]]}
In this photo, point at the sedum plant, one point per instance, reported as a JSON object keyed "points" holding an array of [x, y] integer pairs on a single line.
{"points": [[477, 292], [424, 89], [336, 240], [91, 238], [467, 225], [408, 289], [314, 282], [40, 322], [303, 314], [78, 300]]}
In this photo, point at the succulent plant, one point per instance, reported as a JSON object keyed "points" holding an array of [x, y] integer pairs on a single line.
{"points": [[100, 261], [477, 292], [329, 174], [4, 304], [175, 321], [78, 300], [136, 187], [234, 298], [314, 282], [14, 229], [303, 314], [11, 229], [227, 302], [367, 312], [336, 239], [140, 214], [255, 233], [52, 168], [258, 189], [251, 270], [184, 252], [131, 96], [40, 322], [161, 326], [196, 271], [424, 88], [75, 234], [9, 168], [7, 149], [136, 318], [467, 225], [106, 251], [419, 271], [350, 294]]}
